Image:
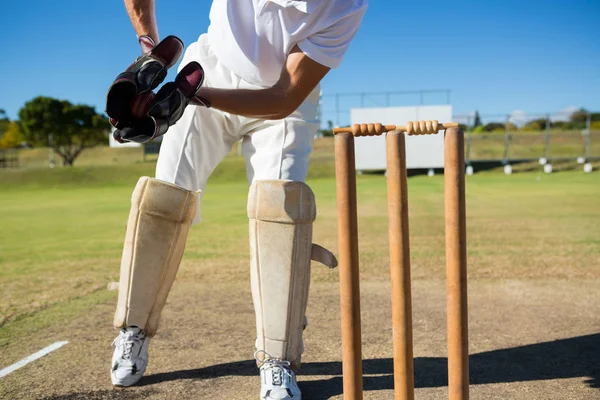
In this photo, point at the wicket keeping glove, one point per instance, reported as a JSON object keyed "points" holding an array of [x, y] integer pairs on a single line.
{"points": [[134, 109]]}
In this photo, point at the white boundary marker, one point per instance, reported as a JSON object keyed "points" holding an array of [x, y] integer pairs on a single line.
{"points": [[33, 357]]}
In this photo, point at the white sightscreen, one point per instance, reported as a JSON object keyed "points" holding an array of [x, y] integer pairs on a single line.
{"points": [[421, 151]]}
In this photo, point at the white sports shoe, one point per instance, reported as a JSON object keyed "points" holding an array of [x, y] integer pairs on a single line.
{"points": [[278, 381], [130, 357]]}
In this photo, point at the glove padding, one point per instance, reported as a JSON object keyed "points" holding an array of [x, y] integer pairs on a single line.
{"points": [[153, 114], [140, 115]]}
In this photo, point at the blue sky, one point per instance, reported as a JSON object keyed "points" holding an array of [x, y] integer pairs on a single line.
{"points": [[496, 56]]}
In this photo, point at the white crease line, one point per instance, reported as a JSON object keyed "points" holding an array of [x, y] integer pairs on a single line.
{"points": [[33, 357]]}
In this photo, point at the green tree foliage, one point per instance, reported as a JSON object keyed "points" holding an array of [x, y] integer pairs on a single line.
{"points": [[582, 115], [494, 126], [535, 125], [477, 121], [4, 122], [578, 119], [67, 128], [12, 136], [499, 126]]}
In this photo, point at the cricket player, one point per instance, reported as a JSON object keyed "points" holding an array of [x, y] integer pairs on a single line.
{"points": [[261, 62]]}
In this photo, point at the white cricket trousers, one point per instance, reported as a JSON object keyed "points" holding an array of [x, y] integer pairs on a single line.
{"points": [[198, 142]]}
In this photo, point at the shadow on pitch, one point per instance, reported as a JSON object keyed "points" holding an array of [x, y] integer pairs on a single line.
{"points": [[566, 358]]}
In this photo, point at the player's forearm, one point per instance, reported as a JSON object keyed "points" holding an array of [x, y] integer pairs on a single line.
{"points": [[268, 103], [143, 18]]}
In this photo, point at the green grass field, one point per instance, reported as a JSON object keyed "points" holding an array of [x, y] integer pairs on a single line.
{"points": [[62, 229], [531, 144], [484, 146], [533, 257]]}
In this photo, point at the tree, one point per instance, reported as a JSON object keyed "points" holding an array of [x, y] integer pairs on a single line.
{"points": [[579, 117], [65, 127], [12, 137], [4, 122], [477, 121], [499, 126], [560, 124], [535, 125], [494, 126]]}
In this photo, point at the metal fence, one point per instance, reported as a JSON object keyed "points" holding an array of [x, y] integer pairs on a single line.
{"points": [[9, 158], [509, 138], [335, 108], [545, 137]]}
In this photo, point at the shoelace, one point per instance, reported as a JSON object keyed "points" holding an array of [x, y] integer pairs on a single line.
{"points": [[127, 341], [272, 363]]}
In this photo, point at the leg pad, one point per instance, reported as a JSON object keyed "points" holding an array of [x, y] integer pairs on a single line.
{"points": [[159, 221], [281, 216]]}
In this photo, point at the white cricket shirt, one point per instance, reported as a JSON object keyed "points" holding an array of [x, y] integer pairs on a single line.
{"points": [[252, 38]]}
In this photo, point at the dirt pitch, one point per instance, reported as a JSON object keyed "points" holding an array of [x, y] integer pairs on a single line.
{"points": [[534, 296], [522, 346]]}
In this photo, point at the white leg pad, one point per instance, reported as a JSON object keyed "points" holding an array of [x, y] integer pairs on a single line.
{"points": [[281, 216], [159, 221]]}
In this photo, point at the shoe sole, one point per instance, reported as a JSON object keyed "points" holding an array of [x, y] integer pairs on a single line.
{"points": [[125, 383]]}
